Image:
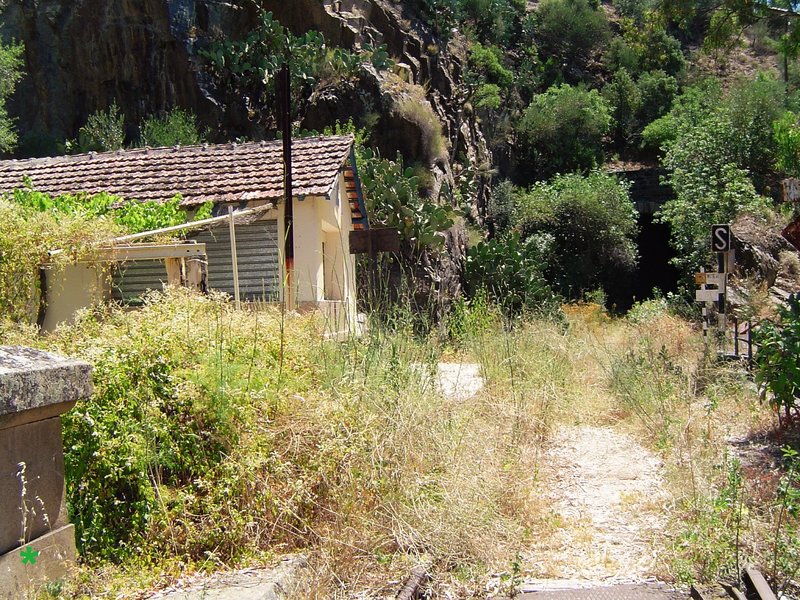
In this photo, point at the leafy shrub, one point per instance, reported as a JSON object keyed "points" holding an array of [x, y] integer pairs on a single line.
{"points": [[657, 90], [752, 107], [487, 96], [177, 127], [707, 190], [637, 103], [487, 61], [493, 21], [689, 110], [633, 9], [509, 271], [626, 99], [104, 131], [569, 31], [591, 223], [562, 130], [778, 369]]}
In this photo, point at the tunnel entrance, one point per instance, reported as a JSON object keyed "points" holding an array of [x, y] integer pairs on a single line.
{"points": [[654, 270]]}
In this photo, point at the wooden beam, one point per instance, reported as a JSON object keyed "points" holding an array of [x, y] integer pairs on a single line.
{"points": [[151, 251], [756, 580]]}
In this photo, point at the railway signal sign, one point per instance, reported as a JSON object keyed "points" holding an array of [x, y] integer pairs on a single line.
{"points": [[707, 295], [721, 238], [718, 279]]}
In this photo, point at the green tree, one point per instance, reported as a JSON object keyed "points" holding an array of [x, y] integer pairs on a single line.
{"points": [[104, 131], [710, 187], [177, 127], [562, 130], [786, 131], [10, 74], [645, 46], [725, 19], [689, 109], [591, 225], [636, 103], [625, 97]]}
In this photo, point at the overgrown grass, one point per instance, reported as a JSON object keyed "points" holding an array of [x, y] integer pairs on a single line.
{"points": [[221, 438]]}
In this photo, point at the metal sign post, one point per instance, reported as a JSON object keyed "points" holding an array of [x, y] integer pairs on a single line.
{"points": [[721, 244]]}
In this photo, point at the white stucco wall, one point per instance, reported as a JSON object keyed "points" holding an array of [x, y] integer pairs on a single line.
{"points": [[72, 287]]}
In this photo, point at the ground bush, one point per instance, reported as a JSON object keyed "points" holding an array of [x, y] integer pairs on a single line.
{"points": [[778, 369], [179, 387], [590, 224]]}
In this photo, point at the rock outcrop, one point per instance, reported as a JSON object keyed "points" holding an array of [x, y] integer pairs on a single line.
{"points": [[765, 258], [80, 55]]}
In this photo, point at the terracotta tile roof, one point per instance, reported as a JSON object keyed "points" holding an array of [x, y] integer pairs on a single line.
{"points": [[220, 173]]}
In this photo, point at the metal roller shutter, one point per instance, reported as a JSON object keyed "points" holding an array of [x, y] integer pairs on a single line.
{"points": [[134, 278], [257, 255]]}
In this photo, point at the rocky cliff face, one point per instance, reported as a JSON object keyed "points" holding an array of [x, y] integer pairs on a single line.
{"points": [[82, 54]]}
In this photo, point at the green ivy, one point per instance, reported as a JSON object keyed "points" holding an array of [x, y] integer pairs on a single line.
{"points": [[134, 216]]}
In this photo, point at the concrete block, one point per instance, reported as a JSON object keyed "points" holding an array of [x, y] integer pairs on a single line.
{"points": [[56, 556], [35, 389], [35, 385]]}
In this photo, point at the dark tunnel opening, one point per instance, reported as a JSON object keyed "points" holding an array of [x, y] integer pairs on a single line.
{"points": [[654, 270]]}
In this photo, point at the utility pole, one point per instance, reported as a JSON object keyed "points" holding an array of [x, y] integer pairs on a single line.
{"points": [[285, 123]]}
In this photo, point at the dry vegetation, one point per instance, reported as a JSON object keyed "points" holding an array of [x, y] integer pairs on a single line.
{"points": [[348, 453]]}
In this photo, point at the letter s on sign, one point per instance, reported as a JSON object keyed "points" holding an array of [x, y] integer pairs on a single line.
{"points": [[720, 238]]}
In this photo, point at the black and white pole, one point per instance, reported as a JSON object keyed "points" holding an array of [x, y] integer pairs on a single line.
{"points": [[721, 244]]}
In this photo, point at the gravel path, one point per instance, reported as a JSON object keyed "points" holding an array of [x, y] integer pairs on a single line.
{"points": [[608, 502]]}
